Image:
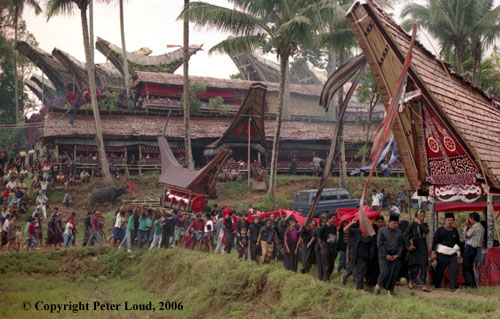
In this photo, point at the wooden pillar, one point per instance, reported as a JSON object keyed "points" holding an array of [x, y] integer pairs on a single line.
{"points": [[490, 221], [249, 150], [139, 161], [258, 157], [432, 221], [126, 162], [57, 154]]}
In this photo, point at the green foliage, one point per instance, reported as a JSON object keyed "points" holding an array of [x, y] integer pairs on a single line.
{"points": [[461, 27], [274, 203], [216, 102], [109, 101], [367, 91], [7, 105], [194, 102], [237, 76], [211, 286]]}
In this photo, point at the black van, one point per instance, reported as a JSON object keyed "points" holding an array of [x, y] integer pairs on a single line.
{"points": [[331, 199]]}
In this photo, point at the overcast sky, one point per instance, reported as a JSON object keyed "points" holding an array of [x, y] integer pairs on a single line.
{"points": [[148, 23]]}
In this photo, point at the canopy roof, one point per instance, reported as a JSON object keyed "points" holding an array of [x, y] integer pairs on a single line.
{"points": [[106, 76], [256, 68], [141, 61], [251, 110], [198, 181], [55, 71], [116, 124], [448, 133], [167, 79]]}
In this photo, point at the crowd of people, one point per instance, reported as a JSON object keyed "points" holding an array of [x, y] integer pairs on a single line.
{"points": [[399, 248]]}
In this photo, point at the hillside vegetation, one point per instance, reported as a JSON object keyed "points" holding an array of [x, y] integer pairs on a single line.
{"points": [[209, 286]]}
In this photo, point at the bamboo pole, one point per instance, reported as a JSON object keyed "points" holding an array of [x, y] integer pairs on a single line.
{"points": [[432, 222], [490, 222]]}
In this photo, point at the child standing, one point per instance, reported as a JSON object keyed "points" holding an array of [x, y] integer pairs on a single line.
{"points": [[157, 232], [26, 233], [19, 238], [243, 244], [206, 239]]}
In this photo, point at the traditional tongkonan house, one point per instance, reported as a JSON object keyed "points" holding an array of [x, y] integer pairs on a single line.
{"points": [[131, 139], [447, 130]]}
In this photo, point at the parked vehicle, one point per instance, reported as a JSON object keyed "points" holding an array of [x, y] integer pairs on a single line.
{"points": [[331, 199]]}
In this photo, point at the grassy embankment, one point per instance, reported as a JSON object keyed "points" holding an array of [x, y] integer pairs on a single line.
{"points": [[212, 286]]}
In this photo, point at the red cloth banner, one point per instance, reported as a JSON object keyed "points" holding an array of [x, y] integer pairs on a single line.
{"points": [[348, 214]]}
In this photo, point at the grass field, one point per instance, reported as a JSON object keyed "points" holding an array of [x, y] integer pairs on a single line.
{"points": [[215, 286]]}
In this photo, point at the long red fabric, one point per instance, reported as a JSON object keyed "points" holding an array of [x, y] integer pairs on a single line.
{"points": [[301, 219], [348, 214], [489, 273]]}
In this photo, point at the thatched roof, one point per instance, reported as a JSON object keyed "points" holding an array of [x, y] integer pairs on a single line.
{"points": [[201, 128], [252, 109], [472, 115], [256, 68], [167, 62], [54, 70], [106, 76], [176, 79]]}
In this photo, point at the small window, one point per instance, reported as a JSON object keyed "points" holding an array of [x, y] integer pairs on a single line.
{"points": [[329, 195], [302, 197], [343, 194]]}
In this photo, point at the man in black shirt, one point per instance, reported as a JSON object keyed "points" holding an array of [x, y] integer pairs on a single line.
{"points": [[242, 223], [446, 250], [253, 234], [165, 230], [267, 237], [317, 246], [87, 228], [359, 253], [390, 248], [228, 232], [328, 241]]}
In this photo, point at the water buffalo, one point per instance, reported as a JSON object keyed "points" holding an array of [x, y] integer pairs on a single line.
{"points": [[106, 194]]}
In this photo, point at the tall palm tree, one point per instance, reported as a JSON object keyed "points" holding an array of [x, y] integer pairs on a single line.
{"points": [[337, 37], [126, 75], [485, 30], [281, 24], [449, 21], [18, 8], [187, 110], [55, 7]]}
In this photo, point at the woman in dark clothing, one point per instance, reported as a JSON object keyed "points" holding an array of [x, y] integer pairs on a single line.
{"points": [[359, 253], [317, 247], [403, 272], [341, 248], [290, 257], [305, 241], [373, 268], [415, 238]]}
